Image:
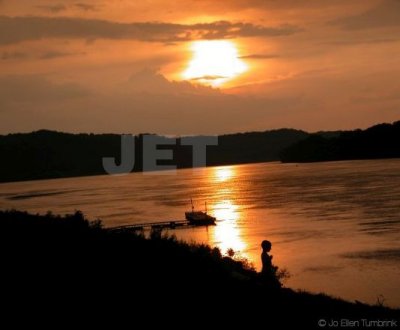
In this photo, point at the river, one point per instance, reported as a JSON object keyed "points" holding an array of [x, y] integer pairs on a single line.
{"points": [[334, 226]]}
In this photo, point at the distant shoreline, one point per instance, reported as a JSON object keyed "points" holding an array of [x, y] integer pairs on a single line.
{"points": [[377, 142], [46, 154]]}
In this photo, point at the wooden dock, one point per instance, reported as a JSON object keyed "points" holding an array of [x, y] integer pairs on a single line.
{"points": [[171, 224]]}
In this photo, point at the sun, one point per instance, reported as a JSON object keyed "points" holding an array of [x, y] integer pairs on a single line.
{"points": [[214, 62]]}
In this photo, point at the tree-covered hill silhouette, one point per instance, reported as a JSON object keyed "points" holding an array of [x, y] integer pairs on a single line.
{"points": [[48, 154], [379, 141]]}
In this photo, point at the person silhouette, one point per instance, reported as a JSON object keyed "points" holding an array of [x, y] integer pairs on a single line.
{"points": [[269, 274], [266, 259]]}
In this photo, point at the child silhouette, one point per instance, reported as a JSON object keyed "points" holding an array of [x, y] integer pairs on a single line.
{"points": [[269, 271], [266, 259]]}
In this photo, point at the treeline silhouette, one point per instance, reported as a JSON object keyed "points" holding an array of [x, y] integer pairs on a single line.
{"points": [[48, 154], [379, 141], [69, 263]]}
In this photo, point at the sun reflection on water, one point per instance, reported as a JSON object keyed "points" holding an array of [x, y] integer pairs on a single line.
{"points": [[223, 174], [227, 234], [226, 210]]}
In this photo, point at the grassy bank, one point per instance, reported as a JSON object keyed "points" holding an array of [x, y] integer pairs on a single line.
{"points": [[63, 258]]}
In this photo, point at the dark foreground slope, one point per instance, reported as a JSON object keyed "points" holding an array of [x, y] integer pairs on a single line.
{"points": [[380, 141], [68, 265]]}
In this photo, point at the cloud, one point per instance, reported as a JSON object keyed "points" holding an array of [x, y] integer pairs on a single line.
{"points": [[46, 55], [56, 8], [18, 29], [260, 56], [37, 89], [386, 14], [146, 102], [361, 41], [208, 77], [150, 81], [270, 4], [85, 6], [12, 55], [51, 54]]}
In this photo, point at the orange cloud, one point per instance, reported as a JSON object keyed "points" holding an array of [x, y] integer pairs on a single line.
{"points": [[18, 29]]}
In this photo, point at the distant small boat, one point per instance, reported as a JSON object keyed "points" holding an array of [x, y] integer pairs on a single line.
{"points": [[199, 218]]}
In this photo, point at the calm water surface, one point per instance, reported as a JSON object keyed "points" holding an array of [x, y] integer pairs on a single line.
{"points": [[334, 226]]}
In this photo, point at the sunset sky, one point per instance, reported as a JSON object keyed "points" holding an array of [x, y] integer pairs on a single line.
{"points": [[198, 66]]}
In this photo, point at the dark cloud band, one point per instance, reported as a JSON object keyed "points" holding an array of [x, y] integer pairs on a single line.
{"points": [[18, 29]]}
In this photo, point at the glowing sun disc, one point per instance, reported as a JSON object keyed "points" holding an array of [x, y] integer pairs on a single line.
{"points": [[214, 62]]}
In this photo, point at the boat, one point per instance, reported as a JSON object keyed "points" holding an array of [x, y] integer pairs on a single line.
{"points": [[199, 218]]}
